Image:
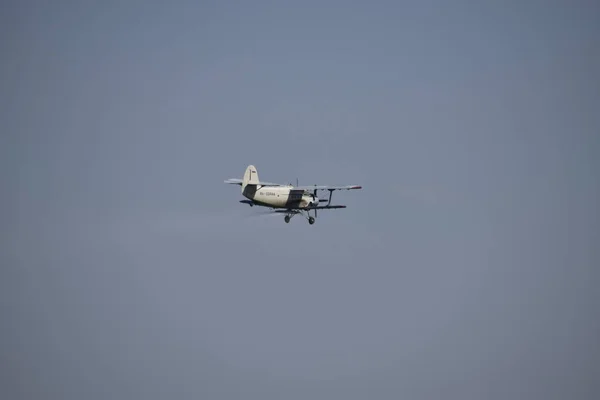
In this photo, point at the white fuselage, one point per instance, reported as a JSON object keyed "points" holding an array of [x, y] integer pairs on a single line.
{"points": [[280, 196]]}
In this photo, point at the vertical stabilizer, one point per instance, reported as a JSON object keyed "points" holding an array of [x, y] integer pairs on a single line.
{"points": [[250, 177]]}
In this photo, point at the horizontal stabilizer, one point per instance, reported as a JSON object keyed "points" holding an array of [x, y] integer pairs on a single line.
{"points": [[268, 184], [235, 181]]}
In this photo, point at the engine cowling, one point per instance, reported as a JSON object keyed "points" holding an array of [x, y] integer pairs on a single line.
{"points": [[310, 200]]}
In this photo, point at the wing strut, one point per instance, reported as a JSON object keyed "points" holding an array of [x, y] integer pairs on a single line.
{"points": [[330, 193]]}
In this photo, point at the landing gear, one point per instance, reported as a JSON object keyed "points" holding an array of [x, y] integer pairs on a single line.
{"points": [[311, 219], [306, 213]]}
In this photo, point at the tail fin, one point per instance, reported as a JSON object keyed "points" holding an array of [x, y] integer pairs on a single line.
{"points": [[250, 177]]}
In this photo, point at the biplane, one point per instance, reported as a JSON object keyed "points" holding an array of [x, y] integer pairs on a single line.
{"points": [[286, 198]]}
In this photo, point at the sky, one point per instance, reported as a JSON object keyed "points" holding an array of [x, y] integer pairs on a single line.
{"points": [[466, 268]]}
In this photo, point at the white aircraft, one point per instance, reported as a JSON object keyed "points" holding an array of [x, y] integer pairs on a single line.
{"points": [[287, 199]]}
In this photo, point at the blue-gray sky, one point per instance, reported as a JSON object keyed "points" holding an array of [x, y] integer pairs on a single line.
{"points": [[467, 267]]}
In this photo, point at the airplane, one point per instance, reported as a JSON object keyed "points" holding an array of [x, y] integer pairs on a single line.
{"points": [[287, 199]]}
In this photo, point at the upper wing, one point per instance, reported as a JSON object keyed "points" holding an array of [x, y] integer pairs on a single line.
{"points": [[328, 187]]}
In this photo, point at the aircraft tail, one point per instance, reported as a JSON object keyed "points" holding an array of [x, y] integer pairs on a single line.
{"points": [[250, 177]]}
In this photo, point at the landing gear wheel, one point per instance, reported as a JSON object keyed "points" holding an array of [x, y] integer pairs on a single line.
{"points": [[311, 220], [287, 219]]}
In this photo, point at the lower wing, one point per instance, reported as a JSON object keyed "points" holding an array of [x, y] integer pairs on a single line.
{"points": [[299, 209], [328, 187]]}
